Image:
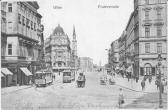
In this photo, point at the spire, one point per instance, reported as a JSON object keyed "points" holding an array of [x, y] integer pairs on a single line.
{"points": [[74, 33]]}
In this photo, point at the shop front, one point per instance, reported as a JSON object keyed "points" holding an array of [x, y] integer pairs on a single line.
{"points": [[7, 77]]}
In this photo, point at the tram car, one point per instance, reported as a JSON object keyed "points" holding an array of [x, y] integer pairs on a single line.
{"points": [[43, 78], [67, 78]]}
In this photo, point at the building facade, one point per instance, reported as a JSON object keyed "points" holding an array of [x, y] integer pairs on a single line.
{"points": [[114, 54], [23, 39], [151, 34], [86, 64], [122, 49], [58, 51]]}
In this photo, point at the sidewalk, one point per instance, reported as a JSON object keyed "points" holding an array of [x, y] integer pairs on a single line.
{"points": [[136, 86], [11, 89], [144, 99]]}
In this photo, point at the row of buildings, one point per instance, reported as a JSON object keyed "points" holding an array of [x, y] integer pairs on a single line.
{"points": [[144, 37], [24, 51], [22, 42]]}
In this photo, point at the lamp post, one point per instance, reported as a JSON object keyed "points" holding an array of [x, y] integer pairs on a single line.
{"points": [[160, 83]]}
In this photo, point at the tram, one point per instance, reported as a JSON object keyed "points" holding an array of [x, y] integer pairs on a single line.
{"points": [[43, 78], [67, 76]]}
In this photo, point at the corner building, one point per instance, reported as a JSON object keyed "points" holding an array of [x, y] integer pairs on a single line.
{"points": [[58, 51], [150, 22], [22, 36]]}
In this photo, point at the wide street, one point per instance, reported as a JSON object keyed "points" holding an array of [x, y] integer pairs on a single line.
{"points": [[68, 96]]}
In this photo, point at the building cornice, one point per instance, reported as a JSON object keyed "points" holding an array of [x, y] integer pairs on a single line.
{"points": [[22, 36]]}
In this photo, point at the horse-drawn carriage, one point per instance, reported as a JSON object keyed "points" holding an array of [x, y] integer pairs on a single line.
{"points": [[111, 81], [81, 80], [103, 80]]}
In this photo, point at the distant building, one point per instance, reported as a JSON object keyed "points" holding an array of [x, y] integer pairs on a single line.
{"points": [[86, 64], [114, 54], [122, 49], [21, 40]]}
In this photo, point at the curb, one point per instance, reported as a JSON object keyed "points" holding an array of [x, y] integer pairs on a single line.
{"points": [[132, 89], [16, 90]]}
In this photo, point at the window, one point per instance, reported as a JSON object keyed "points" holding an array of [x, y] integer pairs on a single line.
{"points": [[35, 26], [32, 25], [159, 31], [159, 47], [147, 1], [159, 13], [147, 31], [23, 20], [9, 49], [10, 7], [10, 26], [19, 18], [27, 23], [147, 47], [146, 14], [159, 1]]}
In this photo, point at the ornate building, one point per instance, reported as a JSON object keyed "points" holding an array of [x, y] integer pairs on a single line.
{"points": [[22, 35], [58, 51], [150, 23]]}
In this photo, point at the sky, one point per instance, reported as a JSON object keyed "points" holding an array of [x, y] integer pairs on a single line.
{"points": [[96, 27]]}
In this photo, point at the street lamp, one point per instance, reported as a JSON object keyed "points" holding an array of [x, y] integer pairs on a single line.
{"points": [[160, 84]]}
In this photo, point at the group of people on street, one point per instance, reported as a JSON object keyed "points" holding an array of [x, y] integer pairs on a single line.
{"points": [[159, 84], [149, 77]]}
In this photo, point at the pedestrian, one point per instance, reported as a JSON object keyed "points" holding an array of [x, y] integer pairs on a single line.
{"points": [[150, 79], [120, 98], [54, 76], [143, 84], [157, 83], [162, 87], [128, 76], [137, 79]]}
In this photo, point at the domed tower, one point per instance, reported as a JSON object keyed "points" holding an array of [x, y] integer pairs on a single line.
{"points": [[58, 30]]}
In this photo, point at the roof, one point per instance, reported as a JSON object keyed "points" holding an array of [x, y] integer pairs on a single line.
{"points": [[58, 30], [42, 71], [34, 4]]}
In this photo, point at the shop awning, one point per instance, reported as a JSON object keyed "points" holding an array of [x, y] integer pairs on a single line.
{"points": [[6, 71], [2, 75], [26, 71]]}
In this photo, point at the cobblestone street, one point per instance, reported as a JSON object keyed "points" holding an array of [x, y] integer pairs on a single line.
{"points": [[68, 96]]}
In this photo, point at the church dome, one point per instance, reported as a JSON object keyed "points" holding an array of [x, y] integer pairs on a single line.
{"points": [[58, 30]]}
